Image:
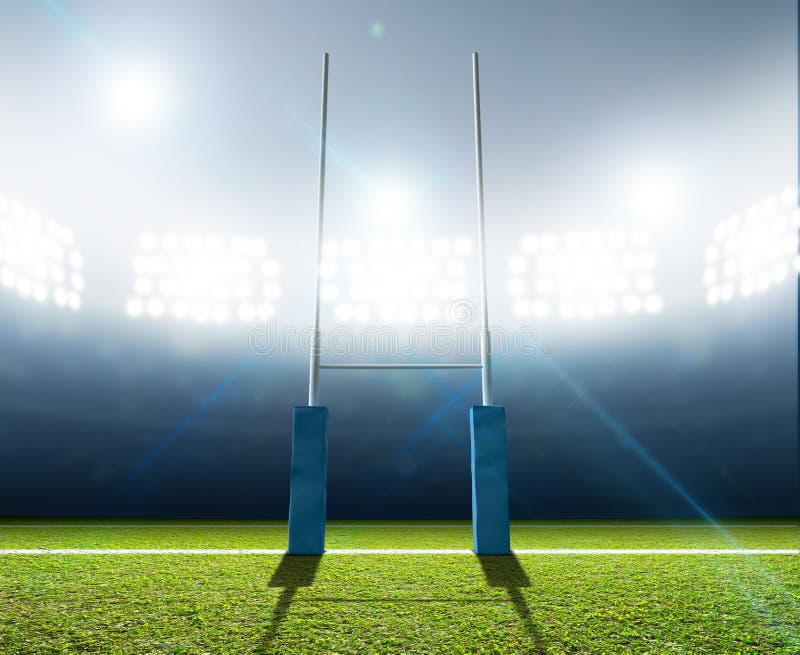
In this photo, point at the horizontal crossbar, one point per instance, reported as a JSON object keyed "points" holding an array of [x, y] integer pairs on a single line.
{"points": [[396, 366]]}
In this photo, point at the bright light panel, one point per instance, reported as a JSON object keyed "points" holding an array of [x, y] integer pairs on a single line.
{"points": [[203, 278], [583, 276], [38, 257], [753, 252], [383, 281]]}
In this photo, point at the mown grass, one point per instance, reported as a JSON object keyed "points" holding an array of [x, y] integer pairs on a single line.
{"points": [[399, 604]]}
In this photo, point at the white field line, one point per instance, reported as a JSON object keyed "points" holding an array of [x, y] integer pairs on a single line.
{"points": [[383, 526], [400, 551]]}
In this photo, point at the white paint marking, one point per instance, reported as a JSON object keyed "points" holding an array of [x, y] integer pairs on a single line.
{"points": [[658, 551], [382, 526], [142, 551], [399, 551]]}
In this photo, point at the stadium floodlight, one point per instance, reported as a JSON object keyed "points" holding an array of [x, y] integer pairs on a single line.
{"points": [[396, 276], [38, 258], [390, 203], [135, 95], [385, 281], [753, 252], [203, 278], [583, 275], [653, 194]]}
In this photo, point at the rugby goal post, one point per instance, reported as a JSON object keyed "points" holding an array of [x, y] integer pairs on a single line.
{"points": [[309, 469]]}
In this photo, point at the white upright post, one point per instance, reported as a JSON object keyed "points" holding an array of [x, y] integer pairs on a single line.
{"points": [[316, 345], [486, 342]]}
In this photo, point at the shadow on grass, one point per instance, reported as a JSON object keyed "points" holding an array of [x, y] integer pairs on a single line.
{"points": [[293, 572], [505, 571]]}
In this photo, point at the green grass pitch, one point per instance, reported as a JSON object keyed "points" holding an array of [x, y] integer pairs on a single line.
{"points": [[398, 603]]}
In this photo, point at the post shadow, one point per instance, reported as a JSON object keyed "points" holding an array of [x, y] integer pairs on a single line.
{"points": [[505, 571], [293, 572]]}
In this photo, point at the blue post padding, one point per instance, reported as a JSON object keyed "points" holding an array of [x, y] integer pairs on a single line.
{"points": [[307, 487], [490, 528]]}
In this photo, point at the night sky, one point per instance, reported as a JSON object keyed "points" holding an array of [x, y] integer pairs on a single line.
{"points": [[688, 411]]}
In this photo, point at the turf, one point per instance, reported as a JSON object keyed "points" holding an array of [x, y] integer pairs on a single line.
{"points": [[398, 604]]}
